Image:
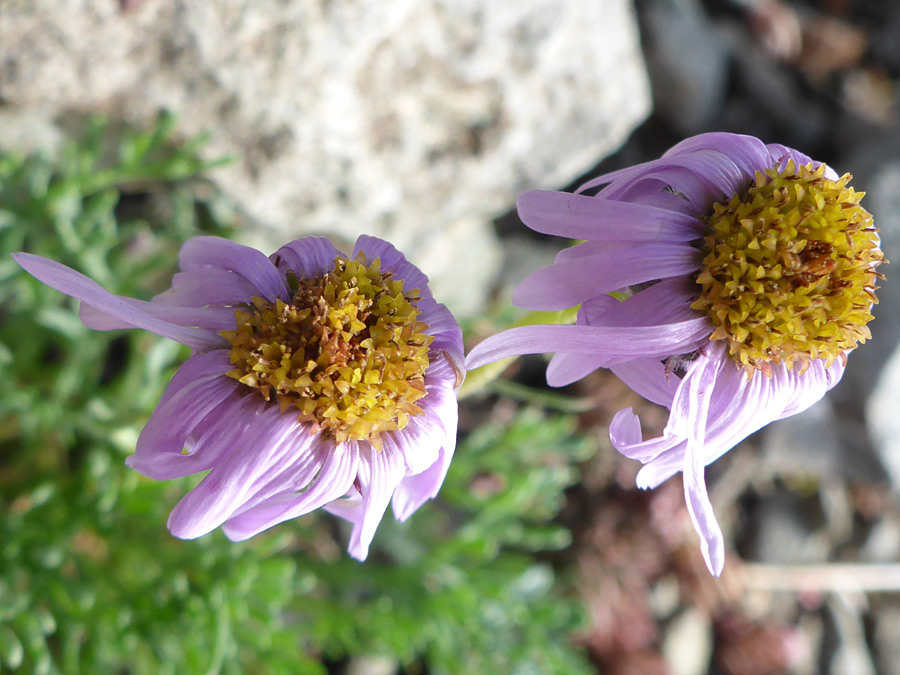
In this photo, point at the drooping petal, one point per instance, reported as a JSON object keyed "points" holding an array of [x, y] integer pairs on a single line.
{"points": [[125, 310], [209, 318], [380, 472], [413, 491], [739, 407], [218, 253], [627, 342], [699, 384], [309, 455], [572, 282]]}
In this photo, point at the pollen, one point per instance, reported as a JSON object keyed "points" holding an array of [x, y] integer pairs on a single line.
{"points": [[789, 270], [348, 354]]}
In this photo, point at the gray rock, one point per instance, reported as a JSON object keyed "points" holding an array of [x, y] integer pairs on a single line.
{"points": [[786, 532], [687, 62], [413, 120], [883, 412]]}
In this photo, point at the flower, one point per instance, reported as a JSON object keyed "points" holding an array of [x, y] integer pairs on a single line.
{"points": [[748, 274], [316, 381]]}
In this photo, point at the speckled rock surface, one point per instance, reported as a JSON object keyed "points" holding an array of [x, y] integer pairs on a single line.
{"points": [[416, 120]]}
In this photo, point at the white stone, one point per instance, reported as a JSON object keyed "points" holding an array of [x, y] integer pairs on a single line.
{"points": [[400, 118], [688, 643]]}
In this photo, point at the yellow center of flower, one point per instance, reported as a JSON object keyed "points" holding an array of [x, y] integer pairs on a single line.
{"points": [[348, 352], [789, 273]]}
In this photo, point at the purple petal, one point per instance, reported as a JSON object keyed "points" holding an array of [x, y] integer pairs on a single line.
{"points": [[443, 326], [307, 257], [334, 479], [445, 368], [749, 154], [424, 436], [125, 310], [617, 342], [652, 191], [812, 386], [699, 384], [564, 369], [310, 452], [380, 472], [208, 286], [666, 302], [572, 282], [209, 318], [413, 491], [625, 434], [738, 408], [198, 387], [264, 445], [214, 252], [580, 217], [719, 173], [648, 378]]}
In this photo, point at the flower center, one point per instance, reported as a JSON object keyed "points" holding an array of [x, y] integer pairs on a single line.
{"points": [[789, 273], [348, 352]]}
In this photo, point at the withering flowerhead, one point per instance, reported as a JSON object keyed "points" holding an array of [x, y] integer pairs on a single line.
{"points": [[318, 380], [748, 265]]}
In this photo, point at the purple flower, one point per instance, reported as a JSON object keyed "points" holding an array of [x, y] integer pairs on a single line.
{"points": [[316, 381], [748, 274]]}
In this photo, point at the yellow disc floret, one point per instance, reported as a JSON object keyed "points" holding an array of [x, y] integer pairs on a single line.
{"points": [[349, 352], [789, 272]]}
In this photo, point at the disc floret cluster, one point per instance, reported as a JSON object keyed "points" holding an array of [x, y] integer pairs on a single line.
{"points": [[790, 268], [349, 352]]}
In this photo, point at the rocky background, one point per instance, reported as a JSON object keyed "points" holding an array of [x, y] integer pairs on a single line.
{"points": [[420, 121], [413, 120]]}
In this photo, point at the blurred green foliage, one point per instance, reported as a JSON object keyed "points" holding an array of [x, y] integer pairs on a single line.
{"points": [[90, 579]]}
